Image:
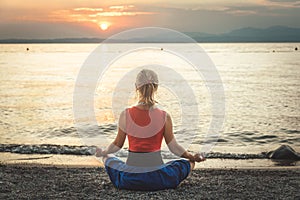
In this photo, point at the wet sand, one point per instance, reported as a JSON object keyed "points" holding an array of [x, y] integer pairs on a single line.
{"points": [[30, 181]]}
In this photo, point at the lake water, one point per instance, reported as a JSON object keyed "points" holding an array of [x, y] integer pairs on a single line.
{"points": [[261, 83]]}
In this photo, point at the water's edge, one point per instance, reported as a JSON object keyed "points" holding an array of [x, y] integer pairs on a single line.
{"points": [[90, 150]]}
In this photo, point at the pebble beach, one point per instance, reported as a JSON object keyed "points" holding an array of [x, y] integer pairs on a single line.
{"points": [[27, 181]]}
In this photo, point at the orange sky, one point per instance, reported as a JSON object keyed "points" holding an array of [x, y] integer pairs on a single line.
{"points": [[83, 18], [64, 11]]}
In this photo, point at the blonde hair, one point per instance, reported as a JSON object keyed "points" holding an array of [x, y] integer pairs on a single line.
{"points": [[146, 85]]}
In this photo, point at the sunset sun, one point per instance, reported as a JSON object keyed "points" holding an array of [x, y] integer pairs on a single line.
{"points": [[104, 26]]}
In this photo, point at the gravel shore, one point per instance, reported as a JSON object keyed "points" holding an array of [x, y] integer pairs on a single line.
{"points": [[41, 182]]}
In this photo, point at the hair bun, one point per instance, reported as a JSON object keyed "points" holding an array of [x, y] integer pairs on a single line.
{"points": [[146, 76]]}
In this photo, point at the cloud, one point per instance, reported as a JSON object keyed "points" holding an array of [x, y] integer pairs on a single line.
{"points": [[241, 12], [118, 14], [242, 7], [284, 1], [281, 4], [250, 8], [122, 7], [88, 9]]}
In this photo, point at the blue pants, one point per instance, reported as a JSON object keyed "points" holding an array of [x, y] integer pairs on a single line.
{"points": [[166, 176]]}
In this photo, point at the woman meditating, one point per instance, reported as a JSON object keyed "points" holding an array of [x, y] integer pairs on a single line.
{"points": [[145, 125]]}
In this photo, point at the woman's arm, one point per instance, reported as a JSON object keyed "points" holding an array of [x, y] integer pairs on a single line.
{"points": [[176, 148], [115, 146], [118, 143]]}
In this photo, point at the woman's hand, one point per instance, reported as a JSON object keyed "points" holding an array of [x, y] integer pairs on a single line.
{"points": [[199, 158], [99, 152], [196, 157]]}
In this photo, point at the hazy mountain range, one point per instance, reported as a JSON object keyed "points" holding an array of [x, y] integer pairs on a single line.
{"points": [[271, 34]]}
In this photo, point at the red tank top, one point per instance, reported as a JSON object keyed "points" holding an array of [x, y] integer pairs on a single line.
{"points": [[145, 129]]}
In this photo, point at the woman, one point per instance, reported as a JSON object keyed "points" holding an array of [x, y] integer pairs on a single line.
{"points": [[145, 125]]}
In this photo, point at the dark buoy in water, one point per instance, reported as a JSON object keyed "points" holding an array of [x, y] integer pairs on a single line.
{"points": [[273, 51], [296, 48], [161, 49], [27, 49]]}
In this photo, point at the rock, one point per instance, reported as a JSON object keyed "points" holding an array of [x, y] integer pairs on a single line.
{"points": [[284, 152]]}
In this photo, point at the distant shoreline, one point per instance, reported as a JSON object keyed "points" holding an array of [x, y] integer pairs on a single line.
{"points": [[95, 41], [274, 34]]}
